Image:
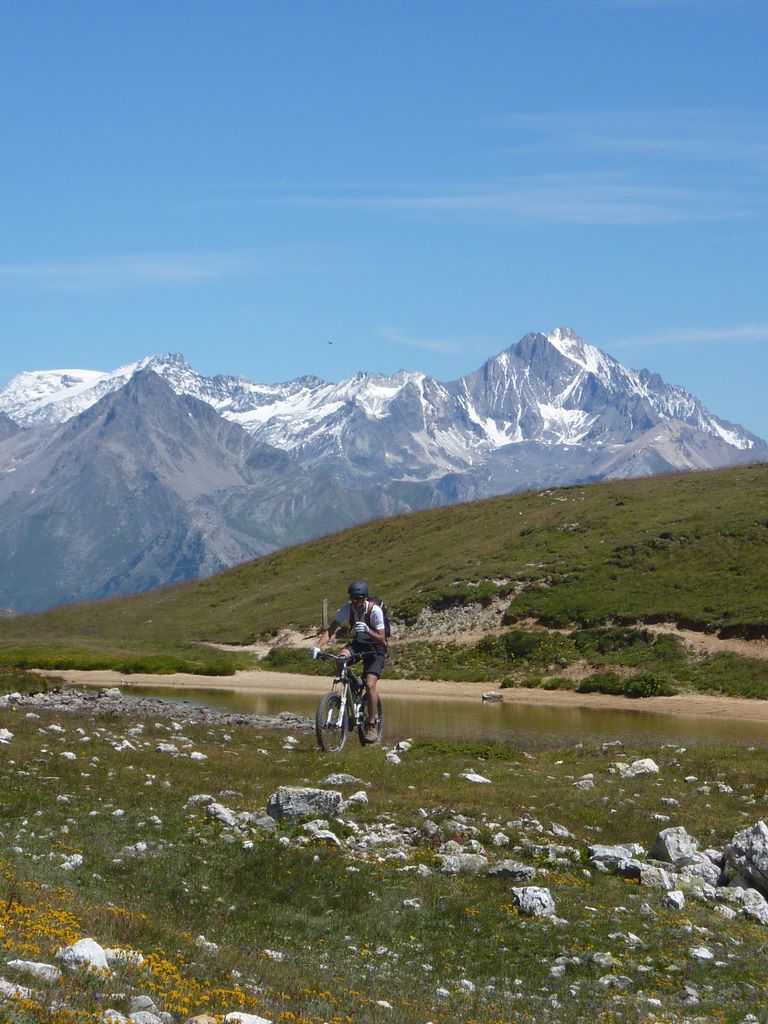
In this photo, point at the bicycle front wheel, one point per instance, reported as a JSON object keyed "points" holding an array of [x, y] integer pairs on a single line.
{"points": [[379, 724], [331, 723]]}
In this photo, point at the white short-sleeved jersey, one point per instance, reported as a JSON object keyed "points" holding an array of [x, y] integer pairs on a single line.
{"points": [[373, 611]]}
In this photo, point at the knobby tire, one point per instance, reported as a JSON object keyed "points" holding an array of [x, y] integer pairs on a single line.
{"points": [[330, 724]]}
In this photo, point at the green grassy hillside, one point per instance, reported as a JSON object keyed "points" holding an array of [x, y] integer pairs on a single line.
{"points": [[690, 547]]}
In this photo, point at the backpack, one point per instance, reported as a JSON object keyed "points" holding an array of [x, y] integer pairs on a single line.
{"points": [[384, 612]]}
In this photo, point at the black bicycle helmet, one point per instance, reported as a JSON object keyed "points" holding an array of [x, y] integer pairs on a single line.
{"points": [[358, 588]]}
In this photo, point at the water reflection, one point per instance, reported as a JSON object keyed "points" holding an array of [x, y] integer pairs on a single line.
{"points": [[434, 719]]}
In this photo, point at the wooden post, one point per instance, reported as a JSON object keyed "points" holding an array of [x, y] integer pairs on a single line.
{"points": [[325, 614]]}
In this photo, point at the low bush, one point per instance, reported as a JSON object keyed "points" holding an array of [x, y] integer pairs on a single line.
{"points": [[646, 684]]}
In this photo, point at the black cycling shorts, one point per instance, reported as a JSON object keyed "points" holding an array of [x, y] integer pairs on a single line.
{"points": [[373, 657]]}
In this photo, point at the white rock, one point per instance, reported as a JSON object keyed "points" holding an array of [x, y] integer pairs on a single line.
{"points": [[534, 900], [10, 991], [116, 955], [197, 755], [392, 758], [43, 972], [702, 954], [199, 798], [236, 1017], [675, 899], [221, 813], [5, 736], [86, 953], [644, 766], [297, 803], [207, 947], [474, 777], [342, 779], [361, 797]]}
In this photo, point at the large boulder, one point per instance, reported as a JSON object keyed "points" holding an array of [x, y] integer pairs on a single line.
{"points": [[300, 803], [461, 863], [86, 954], [534, 901], [674, 846], [747, 853]]}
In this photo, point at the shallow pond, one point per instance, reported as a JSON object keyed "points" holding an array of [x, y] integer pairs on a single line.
{"points": [[477, 720]]}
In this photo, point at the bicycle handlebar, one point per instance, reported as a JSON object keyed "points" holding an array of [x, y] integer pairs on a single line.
{"points": [[340, 659]]}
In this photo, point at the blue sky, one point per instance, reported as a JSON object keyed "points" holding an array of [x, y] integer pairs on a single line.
{"points": [[419, 182]]}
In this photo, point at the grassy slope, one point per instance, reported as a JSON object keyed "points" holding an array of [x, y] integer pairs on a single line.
{"points": [[689, 547]]}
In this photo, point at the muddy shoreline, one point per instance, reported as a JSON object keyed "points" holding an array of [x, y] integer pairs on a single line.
{"points": [[687, 705]]}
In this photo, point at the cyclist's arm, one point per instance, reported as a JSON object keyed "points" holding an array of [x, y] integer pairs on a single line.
{"points": [[377, 634], [326, 635]]}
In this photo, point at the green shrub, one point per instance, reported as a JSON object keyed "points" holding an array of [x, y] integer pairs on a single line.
{"points": [[647, 684]]}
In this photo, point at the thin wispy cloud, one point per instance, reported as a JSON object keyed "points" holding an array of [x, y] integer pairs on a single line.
{"points": [[112, 272], [757, 332], [701, 134], [445, 346], [553, 199], [175, 270]]}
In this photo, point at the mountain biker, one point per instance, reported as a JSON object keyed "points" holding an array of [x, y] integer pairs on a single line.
{"points": [[369, 640]]}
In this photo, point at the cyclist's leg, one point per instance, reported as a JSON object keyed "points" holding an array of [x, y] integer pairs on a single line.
{"points": [[371, 678], [373, 664]]}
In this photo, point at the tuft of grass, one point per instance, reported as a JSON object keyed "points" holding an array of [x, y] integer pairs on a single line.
{"points": [[17, 681]]}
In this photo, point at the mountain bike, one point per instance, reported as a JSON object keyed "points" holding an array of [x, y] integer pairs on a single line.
{"points": [[344, 708]]}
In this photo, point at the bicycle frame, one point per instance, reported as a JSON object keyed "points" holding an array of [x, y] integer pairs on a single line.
{"points": [[352, 693], [344, 708]]}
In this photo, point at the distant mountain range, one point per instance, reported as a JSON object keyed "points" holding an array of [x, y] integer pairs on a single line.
{"points": [[113, 483]]}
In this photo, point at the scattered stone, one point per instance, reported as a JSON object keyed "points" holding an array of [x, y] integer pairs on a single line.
{"points": [[512, 870], [493, 697], [41, 972], [297, 803], [86, 953], [702, 954], [236, 1017], [342, 779], [474, 777], [747, 853], [645, 766], [459, 863], [675, 899], [534, 901]]}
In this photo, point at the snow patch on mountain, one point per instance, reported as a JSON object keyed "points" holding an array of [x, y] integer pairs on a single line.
{"points": [[550, 389]]}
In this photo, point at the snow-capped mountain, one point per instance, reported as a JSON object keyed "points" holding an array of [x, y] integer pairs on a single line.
{"points": [[551, 389], [111, 483]]}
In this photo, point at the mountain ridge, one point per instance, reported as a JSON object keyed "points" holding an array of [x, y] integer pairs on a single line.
{"points": [[199, 473]]}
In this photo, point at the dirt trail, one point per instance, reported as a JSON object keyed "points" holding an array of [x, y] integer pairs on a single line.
{"points": [[443, 627], [708, 643]]}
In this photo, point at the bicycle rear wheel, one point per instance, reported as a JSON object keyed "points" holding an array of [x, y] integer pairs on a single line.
{"points": [[379, 725], [331, 723]]}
